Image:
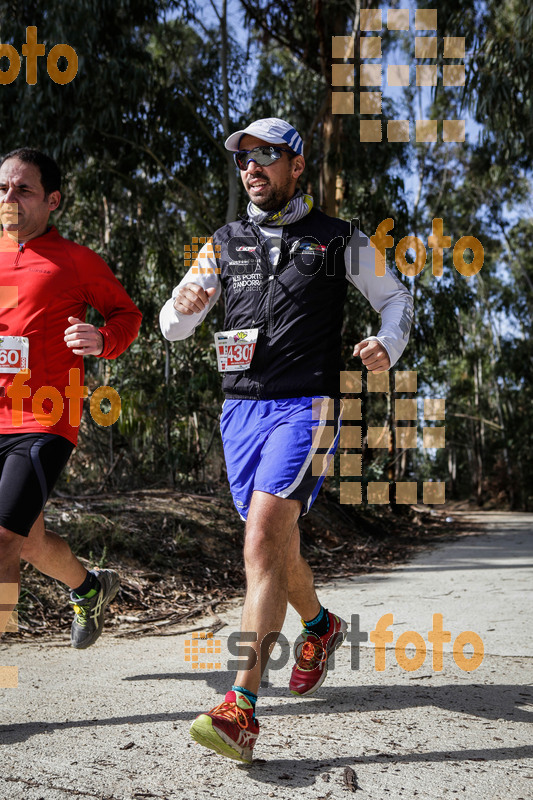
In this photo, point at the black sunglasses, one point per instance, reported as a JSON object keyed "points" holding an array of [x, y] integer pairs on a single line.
{"points": [[264, 156]]}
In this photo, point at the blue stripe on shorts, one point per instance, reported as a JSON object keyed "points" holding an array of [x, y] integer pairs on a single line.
{"points": [[275, 446]]}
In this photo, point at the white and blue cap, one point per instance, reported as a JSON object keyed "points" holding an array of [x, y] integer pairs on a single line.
{"points": [[272, 130]]}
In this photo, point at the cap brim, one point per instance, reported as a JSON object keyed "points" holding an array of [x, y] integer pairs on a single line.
{"points": [[233, 142]]}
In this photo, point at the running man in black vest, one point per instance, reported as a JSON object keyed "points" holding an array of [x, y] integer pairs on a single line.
{"points": [[284, 271]]}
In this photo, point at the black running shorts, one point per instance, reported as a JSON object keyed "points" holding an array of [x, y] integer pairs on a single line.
{"points": [[30, 464]]}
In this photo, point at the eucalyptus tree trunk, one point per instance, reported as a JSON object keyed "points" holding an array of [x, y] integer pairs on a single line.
{"points": [[168, 416], [331, 194], [233, 186], [479, 433]]}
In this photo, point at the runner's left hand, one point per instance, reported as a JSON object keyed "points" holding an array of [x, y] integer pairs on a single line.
{"points": [[83, 339], [373, 355]]}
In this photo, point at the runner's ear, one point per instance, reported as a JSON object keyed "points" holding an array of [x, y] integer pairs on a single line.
{"points": [[54, 199], [298, 166]]}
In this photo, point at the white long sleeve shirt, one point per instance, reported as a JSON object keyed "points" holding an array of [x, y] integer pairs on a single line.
{"points": [[386, 294]]}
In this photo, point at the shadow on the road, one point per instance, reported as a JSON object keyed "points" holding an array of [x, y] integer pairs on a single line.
{"points": [[501, 551], [304, 772], [498, 702], [297, 772]]}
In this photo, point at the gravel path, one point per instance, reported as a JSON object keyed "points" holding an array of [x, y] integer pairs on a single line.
{"points": [[112, 722]]}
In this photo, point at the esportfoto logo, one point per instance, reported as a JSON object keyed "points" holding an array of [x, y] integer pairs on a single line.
{"points": [[410, 648]]}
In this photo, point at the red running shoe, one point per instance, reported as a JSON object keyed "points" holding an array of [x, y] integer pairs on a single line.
{"points": [[229, 728], [312, 655]]}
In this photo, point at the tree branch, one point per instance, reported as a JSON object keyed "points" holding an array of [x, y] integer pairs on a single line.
{"points": [[186, 189], [260, 20]]}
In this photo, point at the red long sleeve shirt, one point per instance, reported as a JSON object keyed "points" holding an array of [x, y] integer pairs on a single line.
{"points": [[47, 280]]}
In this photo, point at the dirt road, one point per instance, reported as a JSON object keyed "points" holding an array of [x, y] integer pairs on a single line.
{"points": [[112, 722]]}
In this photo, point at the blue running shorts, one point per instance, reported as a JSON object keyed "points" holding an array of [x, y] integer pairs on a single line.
{"points": [[282, 447]]}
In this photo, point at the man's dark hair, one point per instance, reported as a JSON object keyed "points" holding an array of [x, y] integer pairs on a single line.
{"points": [[50, 172]]}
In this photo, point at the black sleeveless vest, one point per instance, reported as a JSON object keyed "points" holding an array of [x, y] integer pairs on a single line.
{"points": [[297, 306]]}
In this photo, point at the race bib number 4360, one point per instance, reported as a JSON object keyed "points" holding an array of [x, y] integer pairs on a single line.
{"points": [[235, 349], [14, 351]]}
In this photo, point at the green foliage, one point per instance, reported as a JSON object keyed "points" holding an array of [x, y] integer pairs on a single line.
{"points": [[499, 75], [139, 134]]}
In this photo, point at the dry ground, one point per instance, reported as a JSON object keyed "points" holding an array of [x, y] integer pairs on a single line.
{"points": [[180, 554]]}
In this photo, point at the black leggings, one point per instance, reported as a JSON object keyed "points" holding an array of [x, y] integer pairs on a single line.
{"points": [[30, 464]]}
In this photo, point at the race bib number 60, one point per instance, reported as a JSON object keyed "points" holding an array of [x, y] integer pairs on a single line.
{"points": [[235, 349], [14, 352]]}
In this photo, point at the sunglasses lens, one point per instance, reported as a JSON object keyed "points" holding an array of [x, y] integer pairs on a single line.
{"points": [[240, 159], [264, 156]]}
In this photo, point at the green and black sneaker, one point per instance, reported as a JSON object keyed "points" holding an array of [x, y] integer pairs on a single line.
{"points": [[89, 620]]}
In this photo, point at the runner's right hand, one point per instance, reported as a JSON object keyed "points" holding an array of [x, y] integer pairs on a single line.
{"points": [[192, 299]]}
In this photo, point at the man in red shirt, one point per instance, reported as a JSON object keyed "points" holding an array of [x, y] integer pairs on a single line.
{"points": [[46, 284]]}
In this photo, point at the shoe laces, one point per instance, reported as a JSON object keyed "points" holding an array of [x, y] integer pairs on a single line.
{"points": [[311, 655], [82, 613], [233, 713]]}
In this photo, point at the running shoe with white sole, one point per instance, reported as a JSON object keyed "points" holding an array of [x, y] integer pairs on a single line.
{"points": [[229, 729], [89, 620], [312, 655]]}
